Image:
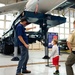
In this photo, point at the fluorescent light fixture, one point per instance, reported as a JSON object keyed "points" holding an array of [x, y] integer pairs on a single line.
{"points": [[1, 5]]}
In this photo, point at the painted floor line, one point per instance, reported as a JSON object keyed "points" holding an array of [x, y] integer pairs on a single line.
{"points": [[14, 65]]}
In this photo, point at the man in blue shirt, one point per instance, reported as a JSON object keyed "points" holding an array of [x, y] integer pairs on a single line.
{"points": [[23, 45]]}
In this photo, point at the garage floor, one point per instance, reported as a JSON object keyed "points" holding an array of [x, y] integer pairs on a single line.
{"points": [[36, 64]]}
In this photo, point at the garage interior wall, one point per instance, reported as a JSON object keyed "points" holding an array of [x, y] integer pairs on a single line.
{"points": [[6, 22]]}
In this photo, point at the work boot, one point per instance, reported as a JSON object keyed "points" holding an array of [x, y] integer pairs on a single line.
{"points": [[19, 74], [26, 71]]}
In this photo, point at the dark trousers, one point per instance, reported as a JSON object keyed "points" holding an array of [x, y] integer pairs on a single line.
{"points": [[24, 59], [69, 63]]}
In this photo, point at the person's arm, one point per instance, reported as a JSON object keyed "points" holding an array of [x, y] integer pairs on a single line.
{"points": [[69, 46], [51, 43], [37, 5], [69, 40], [23, 42], [31, 28], [36, 9]]}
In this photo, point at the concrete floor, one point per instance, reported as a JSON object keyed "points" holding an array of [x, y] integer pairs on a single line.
{"points": [[36, 64]]}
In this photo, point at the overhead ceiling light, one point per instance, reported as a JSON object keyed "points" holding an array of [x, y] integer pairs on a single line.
{"points": [[1, 5]]}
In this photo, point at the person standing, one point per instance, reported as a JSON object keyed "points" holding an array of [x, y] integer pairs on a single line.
{"points": [[23, 45], [55, 56], [29, 6], [71, 58]]}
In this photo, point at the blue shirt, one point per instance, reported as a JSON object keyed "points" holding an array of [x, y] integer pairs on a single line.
{"points": [[20, 31]]}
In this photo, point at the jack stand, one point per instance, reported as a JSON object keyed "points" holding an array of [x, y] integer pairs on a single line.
{"points": [[49, 65], [45, 30], [46, 53], [46, 57], [15, 58]]}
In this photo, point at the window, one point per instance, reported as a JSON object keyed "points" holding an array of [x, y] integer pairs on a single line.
{"points": [[1, 17], [72, 30], [56, 29], [67, 19], [61, 30], [1, 24], [1, 32], [71, 25], [8, 17], [66, 36], [66, 31], [67, 12], [71, 13], [61, 36], [72, 19], [67, 24], [50, 30], [8, 25], [61, 25]]}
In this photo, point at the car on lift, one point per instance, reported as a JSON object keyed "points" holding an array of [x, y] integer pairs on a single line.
{"points": [[62, 43], [7, 42]]}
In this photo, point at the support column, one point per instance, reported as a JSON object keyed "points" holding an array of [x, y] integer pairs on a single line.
{"points": [[45, 30]]}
